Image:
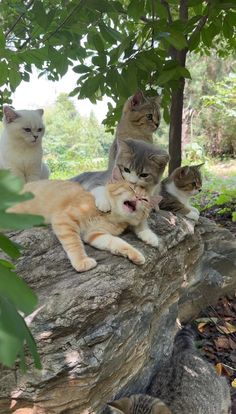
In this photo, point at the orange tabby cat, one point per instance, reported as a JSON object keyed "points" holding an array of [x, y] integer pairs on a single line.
{"points": [[72, 212]]}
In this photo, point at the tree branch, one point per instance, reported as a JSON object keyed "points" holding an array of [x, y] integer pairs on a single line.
{"points": [[200, 24]]}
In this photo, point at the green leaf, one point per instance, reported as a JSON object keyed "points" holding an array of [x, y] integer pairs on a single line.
{"points": [[2, 39], [100, 60], [234, 216], [82, 69], [9, 247], [16, 290], [98, 42], [177, 39], [136, 8], [13, 335], [167, 75], [40, 14], [19, 221], [3, 72]]}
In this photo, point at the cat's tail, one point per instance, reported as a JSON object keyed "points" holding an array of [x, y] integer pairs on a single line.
{"points": [[184, 340]]}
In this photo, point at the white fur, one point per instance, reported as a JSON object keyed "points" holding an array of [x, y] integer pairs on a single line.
{"points": [[184, 199], [101, 200], [144, 233], [20, 151], [131, 177], [118, 246]]}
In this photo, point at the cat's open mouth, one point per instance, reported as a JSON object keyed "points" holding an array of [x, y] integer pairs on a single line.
{"points": [[130, 205]]}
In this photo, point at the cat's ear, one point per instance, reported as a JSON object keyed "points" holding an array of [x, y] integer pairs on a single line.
{"points": [[40, 111], [10, 114], [160, 159], [122, 146], [155, 201], [199, 165], [183, 171], [137, 99], [116, 175], [122, 406]]}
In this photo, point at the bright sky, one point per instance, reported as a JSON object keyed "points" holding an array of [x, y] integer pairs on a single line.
{"points": [[39, 93]]}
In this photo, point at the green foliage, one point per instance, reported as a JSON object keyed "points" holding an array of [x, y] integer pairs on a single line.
{"points": [[114, 46], [73, 143], [219, 189], [15, 295]]}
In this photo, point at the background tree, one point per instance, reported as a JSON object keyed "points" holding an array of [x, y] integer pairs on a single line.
{"points": [[115, 47]]}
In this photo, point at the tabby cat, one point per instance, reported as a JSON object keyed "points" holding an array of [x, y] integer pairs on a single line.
{"points": [[147, 111], [140, 119], [179, 187], [72, 212], [187, 384]]}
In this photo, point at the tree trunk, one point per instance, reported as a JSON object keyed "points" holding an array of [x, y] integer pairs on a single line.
{"points": [[177, 98]]}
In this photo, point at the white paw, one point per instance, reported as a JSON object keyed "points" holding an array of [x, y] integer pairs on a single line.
{"points": [[101, 200], [193, 215], [149, 237]]}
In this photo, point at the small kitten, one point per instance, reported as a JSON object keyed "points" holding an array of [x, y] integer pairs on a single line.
{"points": [[140, 119], [21, 144], [186, 384], [178, 188], [142, 164], [138, 404], [72, 212]]}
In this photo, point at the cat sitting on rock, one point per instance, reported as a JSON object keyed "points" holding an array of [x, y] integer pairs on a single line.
{"points": [[21, 144]]}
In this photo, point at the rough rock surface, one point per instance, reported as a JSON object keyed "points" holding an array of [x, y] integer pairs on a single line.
{"points": [[101, 334]]}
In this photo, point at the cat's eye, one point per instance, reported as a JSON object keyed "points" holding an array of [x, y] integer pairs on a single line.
{"points": [[143, 175], [40, 129], [194, 183], [27, 129], [149, 116], [126, 169]]}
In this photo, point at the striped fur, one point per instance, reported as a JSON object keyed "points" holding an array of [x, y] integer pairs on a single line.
{"points": [[74, 217], [138, 404]]}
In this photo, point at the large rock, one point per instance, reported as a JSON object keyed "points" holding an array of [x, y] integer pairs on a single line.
{"points": [[102, 333]]}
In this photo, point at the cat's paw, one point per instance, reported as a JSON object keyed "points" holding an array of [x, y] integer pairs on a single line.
{"points": [[86, 264], [136, 257], [101, 200], [193, 215], [149, 237]]}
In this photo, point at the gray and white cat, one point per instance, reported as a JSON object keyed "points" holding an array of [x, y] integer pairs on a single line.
{"points": [[139, 163], [178, 188], [186, 384], [21, 144]]}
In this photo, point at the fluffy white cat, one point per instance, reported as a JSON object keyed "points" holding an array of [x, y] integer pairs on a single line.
{"points": [[21, 144]]}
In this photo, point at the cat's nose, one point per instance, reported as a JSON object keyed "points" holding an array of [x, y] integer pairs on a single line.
{"points": [[35, 136], [199, 190]]}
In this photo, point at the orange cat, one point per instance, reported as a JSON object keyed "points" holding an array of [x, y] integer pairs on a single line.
{"points": [[72, 212]]}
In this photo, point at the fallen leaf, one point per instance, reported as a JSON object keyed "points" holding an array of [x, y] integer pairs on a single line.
{"points": [[222, 342], [201, 326], [218, 368], [207, 320], [232, 343], [227, 329], [233, 383]]}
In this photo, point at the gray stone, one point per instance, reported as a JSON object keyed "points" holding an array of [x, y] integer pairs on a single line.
{"points": [[102, 333]]}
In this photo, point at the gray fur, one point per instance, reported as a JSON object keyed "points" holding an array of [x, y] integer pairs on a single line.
{"points": [[136, 155], [188, 383]]}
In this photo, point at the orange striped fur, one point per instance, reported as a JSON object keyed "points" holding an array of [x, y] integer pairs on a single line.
{"points": [[74, 217]]}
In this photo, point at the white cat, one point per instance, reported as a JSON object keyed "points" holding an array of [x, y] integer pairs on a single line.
{"points": [[21, 144]]}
